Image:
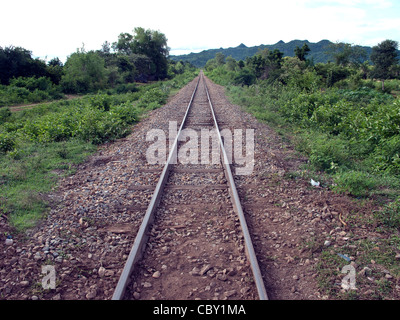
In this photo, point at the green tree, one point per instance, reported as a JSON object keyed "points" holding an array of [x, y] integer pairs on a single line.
{"points": [[219, 59], [302, 52], [345, 54], [150, 43], [84, 72], [231, 63], [18, 62], [55, 70], [384, 56]]}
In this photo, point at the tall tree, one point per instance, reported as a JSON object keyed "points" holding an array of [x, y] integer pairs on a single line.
{"points": [[84, 72], [18, 62], [302, 52], [384, 57], [152, 44], [345, 54]]}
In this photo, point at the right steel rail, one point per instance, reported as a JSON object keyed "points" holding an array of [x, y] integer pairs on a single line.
{"points": [[251, 255]]}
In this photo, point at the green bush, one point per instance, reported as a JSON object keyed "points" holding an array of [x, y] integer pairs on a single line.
{"points": [[357, 183], [390, 215], [100, 101], [387, 156], [28, 90], [5, 115], [7, 142], [328, 153]]}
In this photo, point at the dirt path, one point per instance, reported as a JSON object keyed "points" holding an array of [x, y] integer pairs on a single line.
{"points": [[21, 107]]}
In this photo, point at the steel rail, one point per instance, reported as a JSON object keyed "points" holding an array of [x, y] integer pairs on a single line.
{"points": [[142, 235], [251, 255]]}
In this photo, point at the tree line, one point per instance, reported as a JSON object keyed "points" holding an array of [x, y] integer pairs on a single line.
{"points": [[138, 57], [347, 62]]}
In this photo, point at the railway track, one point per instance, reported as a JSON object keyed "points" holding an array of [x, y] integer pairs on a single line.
{"points": [[193, 242]]}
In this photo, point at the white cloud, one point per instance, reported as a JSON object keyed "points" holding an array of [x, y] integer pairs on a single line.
{"points": [[58, 28]]}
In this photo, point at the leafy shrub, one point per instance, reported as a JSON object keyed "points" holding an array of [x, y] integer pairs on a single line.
{"points": [[5, 115], [244, 77], [390, 215], [155, 96], [100, 101], [357, 183], [387, 155], [125, 87], [28, 90], [7, 142], [327, 153]]}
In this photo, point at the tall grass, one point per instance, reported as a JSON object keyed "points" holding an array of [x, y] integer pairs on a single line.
{"points": [[352, 135], [39, 145]]}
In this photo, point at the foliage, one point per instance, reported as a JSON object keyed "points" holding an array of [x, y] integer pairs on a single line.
{"points": [[335, 113], [301, 53], [35, 143], [318, 53], [28, 90], [345, 54], [17, 62], [84, 72], [149, 43], [384, 57]]}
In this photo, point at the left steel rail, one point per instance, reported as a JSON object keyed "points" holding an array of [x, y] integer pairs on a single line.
{"points": [[139, 245]]}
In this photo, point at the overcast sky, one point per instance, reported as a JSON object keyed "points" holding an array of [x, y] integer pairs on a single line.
{"points": [[55, 28]]}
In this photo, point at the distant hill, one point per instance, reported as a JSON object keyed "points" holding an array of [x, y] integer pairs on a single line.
{"points": [[241, 52]]}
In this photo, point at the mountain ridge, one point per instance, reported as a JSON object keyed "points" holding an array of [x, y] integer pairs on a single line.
{"points": [[317, 53]]}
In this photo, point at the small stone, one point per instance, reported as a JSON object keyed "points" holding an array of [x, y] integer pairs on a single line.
{"points": [[295, 277], [101, 272], [195, 271], [156, 274], [109, 273], [365, 272], [24, 283], [327, 243], [146, 284], [9, 242], [222, 277], [91, 294], [397, 257], [230, 293], [136, 295], [165, 249], [34, 298], [232, 273], [244, 290], [56, 297], [204, 270]]}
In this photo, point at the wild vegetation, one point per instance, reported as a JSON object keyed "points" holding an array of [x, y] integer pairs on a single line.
{"points": [[317, 52], [339, 113], [345, 117], [40, 144]]}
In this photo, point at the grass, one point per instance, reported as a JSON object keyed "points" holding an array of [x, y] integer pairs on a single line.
{"points": [[25, 179], [40, 145], [347, 162]]}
